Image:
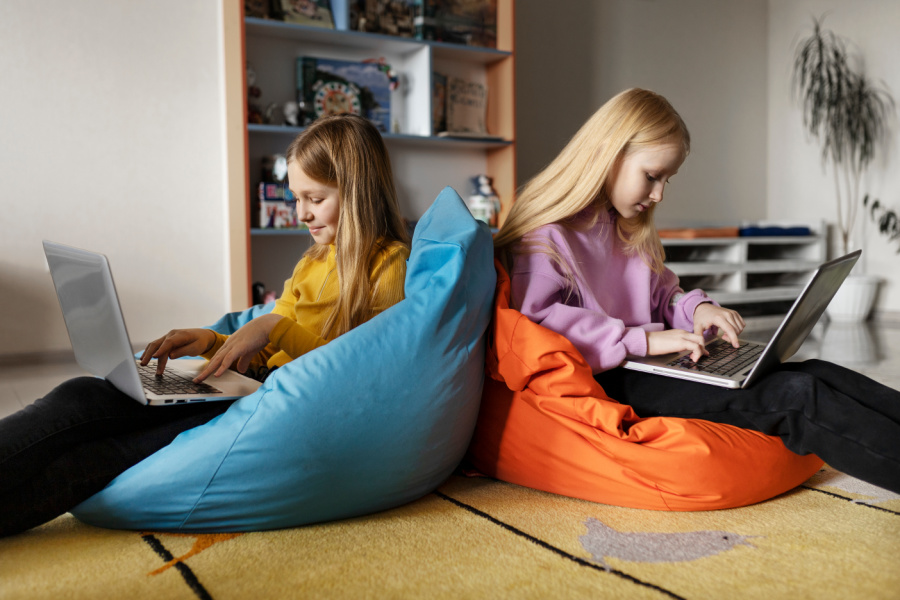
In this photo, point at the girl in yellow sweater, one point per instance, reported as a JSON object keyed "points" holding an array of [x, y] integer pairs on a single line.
{"points": [[340, 176], [70, 444]]}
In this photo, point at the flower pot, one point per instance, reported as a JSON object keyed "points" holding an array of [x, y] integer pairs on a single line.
{"points": [[854, 300]]}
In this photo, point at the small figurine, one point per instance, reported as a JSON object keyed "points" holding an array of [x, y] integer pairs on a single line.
{"points": [[484, 204], [291, 111], [274, 168], [254, 113], [270, 115]]}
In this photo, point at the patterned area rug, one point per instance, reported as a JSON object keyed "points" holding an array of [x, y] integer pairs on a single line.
{"points": [[834, 537]]}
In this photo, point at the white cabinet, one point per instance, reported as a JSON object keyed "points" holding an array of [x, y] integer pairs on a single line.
{"points": [[738, 271]]}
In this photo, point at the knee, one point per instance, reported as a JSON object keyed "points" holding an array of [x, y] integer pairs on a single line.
{"points": [[796, 389], [75, 390], [80, 385]]}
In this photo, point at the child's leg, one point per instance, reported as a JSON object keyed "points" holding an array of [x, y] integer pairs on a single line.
{"points": [[70, 444], [848, 420]]}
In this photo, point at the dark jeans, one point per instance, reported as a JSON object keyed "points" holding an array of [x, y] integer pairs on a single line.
{"points": [[845, 418], [70, 444]]}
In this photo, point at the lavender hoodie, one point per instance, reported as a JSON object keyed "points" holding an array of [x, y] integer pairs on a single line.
{"points": [[617, 299]]}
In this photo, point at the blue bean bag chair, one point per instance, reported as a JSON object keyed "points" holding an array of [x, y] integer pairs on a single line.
{"points": [[375, 419]]}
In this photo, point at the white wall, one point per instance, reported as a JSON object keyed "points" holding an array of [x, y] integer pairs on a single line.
{"points": [[707, 57], [798, 185], [111, 121], [726, 67]]}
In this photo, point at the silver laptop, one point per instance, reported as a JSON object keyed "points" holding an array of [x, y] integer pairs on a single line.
{"points": [[739, 368], [93, 316]]}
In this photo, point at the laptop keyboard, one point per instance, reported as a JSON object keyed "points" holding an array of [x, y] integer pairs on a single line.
{"points": [[724, 359], [171, 382]]}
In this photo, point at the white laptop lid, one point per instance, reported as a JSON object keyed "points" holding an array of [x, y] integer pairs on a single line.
{"points": [[90, 308], [96, 326]]}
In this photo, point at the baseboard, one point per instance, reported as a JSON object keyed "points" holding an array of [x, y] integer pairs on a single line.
{"points": [[887, 317], [37, 358]]}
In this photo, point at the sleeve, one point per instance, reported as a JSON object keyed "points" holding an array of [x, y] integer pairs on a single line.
{"points": [[542, 294], [673, 306], [284, 336], [259, 364], [292, 338], [288, 335]]}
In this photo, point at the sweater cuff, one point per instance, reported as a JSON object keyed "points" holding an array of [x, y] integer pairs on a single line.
{"points": [[687, 304], [220, 341], [635, 341], [294, 339]]}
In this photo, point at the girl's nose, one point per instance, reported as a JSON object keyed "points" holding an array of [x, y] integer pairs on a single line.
{"points": [[656, 194]]}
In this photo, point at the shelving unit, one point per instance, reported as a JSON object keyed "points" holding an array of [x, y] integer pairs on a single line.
{"points": [[745, 270], [423, 163]]}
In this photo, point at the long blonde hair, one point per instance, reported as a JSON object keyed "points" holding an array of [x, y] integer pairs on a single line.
{"points": [[578, 177], [347, 152]]}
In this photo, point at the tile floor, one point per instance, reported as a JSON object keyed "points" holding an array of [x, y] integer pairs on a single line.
{"points": [[872, 348]]}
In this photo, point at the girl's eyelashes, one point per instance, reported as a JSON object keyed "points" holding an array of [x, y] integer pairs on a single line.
{"points": [[654, 179]]}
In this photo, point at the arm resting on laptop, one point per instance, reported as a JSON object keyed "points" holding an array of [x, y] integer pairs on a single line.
{"points": [[253, 345]]}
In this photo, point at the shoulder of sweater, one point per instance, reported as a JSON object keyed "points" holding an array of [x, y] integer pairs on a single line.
{"points": [[579, 226], [392, 250]]}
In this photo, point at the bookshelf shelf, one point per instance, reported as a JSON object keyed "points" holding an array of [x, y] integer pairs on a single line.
{"points": [[423, 163], [738, 271]]}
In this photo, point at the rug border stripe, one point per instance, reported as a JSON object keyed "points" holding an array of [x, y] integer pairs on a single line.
{"points": [[559, 551], [851, 500], [190, 578]]}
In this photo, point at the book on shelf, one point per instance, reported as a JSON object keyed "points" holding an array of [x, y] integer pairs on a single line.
{"points": [[466, 108], [273, 212], [438, 103], [328, 86]]}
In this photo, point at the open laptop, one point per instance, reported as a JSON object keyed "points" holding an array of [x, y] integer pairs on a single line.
{"points": [[739, 368], [93, 316]]}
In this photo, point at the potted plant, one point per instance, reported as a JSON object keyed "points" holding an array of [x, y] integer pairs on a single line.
{"points": [[887, 219], [847, 113]]}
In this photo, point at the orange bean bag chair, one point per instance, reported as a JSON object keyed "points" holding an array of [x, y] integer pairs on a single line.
{"points": [[545, 423]]}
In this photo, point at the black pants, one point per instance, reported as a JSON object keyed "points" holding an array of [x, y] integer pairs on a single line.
{"points": [[68, 445], [845, 418]]}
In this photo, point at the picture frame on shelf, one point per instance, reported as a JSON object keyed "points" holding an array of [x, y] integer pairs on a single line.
{"points": [[328, 86], [314, 13]]}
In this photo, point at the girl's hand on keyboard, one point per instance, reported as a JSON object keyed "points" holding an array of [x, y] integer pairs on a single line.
{"points": [[728, 321], [675, 340], [240, 347], [178, 343]]}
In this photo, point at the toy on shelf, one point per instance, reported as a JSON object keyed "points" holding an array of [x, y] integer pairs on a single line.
{"points": [[484, 204], [274, 211], [254, 112]]}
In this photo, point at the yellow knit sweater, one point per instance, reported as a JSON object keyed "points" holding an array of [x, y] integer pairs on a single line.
{"points": [[308, 299]]}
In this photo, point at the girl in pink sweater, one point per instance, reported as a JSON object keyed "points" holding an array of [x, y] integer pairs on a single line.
{"points": [[585, 261]]}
